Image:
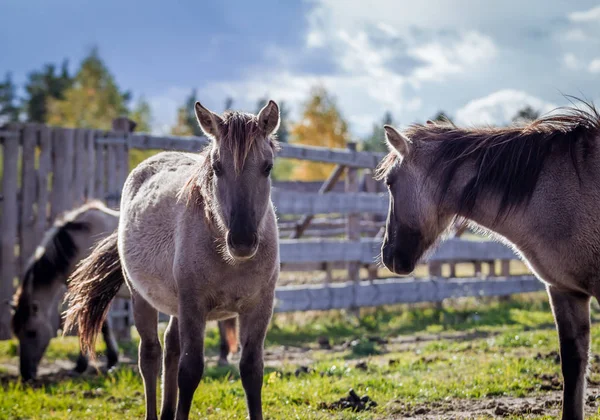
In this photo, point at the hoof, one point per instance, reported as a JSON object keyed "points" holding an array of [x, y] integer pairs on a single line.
{"points": [[111, 360], [222, 362], [82, 365]]}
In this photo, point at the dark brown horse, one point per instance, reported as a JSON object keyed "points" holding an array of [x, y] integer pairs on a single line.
{"points": [[535, 187]]}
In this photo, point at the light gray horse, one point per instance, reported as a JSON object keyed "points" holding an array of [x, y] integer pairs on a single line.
{"points": [[535, 187], [35, 317], [197, 240]]}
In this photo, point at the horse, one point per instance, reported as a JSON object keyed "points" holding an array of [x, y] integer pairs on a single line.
{"points": [[197, 240], [536, 188], [35, 317]]}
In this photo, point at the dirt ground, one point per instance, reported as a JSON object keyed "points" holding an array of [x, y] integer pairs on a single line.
{"points": [[546, 404]]}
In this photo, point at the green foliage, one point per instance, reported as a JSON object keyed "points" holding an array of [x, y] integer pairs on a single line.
{"points": [[142, 115], [9, 109], [375, 142], [43, 85], [92, 101]]}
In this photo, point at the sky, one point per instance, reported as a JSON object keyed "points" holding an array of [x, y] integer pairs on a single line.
{"points": [[478, 61]]}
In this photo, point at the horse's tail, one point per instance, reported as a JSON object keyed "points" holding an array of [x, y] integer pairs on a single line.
{"points": [[92, 288]]}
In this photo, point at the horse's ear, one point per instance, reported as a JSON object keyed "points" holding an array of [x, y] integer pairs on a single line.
{"points": [[268, 118], [396, 141], [429, 122], [209, 121]]}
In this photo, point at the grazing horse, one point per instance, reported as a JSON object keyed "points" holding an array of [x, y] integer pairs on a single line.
{"points": [[35, 318], [197, 240], [536, 188]]}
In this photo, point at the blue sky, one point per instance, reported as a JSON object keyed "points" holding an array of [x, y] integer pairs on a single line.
{"points": [[480, 61]]}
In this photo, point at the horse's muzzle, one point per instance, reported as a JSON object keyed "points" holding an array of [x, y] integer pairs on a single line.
{"points": [[242, 247], [395, 262]]}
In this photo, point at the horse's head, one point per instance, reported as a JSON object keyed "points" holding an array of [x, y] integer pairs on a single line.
{"points": [[415, 220], [34, 330], [241, 160]]}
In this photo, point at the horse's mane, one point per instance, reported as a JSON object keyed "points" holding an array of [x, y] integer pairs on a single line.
{"points": [[238, 133], [52, 258], [508, 160]]}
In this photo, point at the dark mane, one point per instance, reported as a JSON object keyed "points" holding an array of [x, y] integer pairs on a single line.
{"points": [[56, 259], [508, 160], [238, 133]]}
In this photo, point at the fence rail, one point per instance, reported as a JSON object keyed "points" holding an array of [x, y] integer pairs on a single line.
{"points": [[48, 170]]}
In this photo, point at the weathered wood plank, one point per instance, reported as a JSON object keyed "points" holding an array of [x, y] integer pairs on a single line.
{"points": [[343, 203], [112, 189], [194, 144], [90, 164], [9, 223], [62, 151], [27, 238], [100, 187], [43, 172], [394, 291], [80, 167], [367, 251], [329, 183]]}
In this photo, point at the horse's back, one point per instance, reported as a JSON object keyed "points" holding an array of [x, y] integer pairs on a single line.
{"points": [[150, 213]]}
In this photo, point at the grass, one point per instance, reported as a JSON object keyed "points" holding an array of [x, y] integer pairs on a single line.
{"points": [[505, 350]]}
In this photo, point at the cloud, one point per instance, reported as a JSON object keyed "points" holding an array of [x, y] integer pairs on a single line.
{"points": [[591, 15], [571, 61], [443, 59], [499, 108], [594, 66]]}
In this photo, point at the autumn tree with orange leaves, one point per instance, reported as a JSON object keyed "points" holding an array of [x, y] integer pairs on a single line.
{"points": [[321, 125]]}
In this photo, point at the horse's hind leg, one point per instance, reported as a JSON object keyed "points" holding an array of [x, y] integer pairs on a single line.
{"points": [[572, 315], [228, 336], [146, 322], [112, 350], [170, 365], [82, 363]]}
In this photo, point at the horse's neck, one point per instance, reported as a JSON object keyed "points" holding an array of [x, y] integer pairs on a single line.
{"points": [[47, 295]]}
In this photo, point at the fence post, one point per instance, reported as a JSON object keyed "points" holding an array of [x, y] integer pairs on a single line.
{"points": [[118, 169], [353, 225], [9, 223], [370, 186]]}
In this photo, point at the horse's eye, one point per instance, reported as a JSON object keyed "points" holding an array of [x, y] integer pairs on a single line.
{"points": [[268, 169], [217, 168], [31, 334]]}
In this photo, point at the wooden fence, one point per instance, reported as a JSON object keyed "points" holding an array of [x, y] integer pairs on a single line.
{"points": [[47, 170]]}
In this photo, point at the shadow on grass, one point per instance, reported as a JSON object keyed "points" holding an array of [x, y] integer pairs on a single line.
{"points": [[396, 321]]}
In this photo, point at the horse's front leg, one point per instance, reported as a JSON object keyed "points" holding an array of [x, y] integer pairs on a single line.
{"points": [[192, 323], [253, 329], [572, 315]]}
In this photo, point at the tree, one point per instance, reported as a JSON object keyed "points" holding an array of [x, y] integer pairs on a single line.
{"points": [[525, 115], [9, 110], [375, 142], [142, 115], [441, 116], [92, 101], [321, 125], [42, 85]]}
